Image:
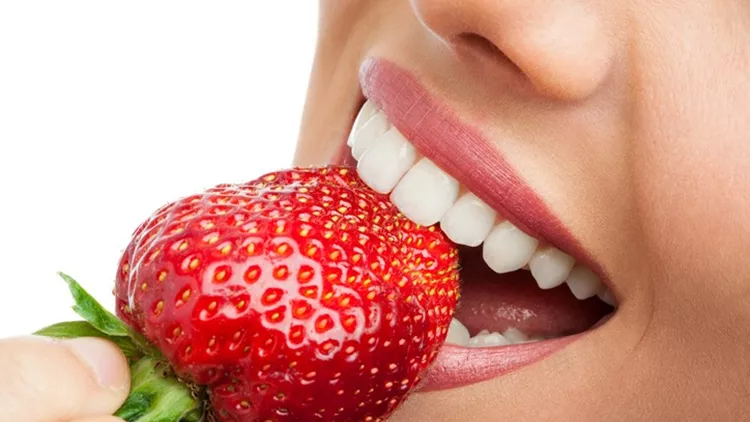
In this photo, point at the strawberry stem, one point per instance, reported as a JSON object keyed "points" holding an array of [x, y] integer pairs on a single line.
{"points": [[156, 394]]}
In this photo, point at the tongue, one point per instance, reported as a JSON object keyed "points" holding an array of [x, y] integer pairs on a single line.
{"points": [[496, 302]]}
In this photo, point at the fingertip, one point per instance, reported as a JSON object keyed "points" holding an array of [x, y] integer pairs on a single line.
{"points": [[73, 378], [105, 360]]}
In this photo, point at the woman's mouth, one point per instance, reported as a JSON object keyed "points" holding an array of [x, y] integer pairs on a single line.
{"points": [[527, 287]]}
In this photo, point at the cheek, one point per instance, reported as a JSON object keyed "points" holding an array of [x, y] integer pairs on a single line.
{"points": [[691, 150], [691, 198], [333, 96]]}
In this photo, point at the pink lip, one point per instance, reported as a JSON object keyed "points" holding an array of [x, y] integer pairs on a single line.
{"points": [[458, 366], [461, 150]]}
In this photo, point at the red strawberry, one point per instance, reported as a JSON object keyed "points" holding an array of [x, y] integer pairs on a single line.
{"points": [[302, 295]]}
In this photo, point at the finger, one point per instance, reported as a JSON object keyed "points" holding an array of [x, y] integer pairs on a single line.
{"points": [[47, 380], [100, 419]]}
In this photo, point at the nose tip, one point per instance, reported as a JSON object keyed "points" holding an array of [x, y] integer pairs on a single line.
{"points": [[562, 47]]}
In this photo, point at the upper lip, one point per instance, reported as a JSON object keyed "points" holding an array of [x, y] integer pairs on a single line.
{"points": [[462, 151]]}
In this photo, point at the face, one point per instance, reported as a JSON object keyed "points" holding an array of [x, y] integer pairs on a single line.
{"points": [[581, 148]]}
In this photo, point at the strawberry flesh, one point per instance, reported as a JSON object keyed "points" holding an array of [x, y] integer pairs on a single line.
{"points": [[302, 295]]}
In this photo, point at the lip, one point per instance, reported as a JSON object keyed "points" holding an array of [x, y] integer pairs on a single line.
{"points": [[462, 151], [457, 366]]}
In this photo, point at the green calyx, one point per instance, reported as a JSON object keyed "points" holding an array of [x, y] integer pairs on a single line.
{"points": [[156, 394]]}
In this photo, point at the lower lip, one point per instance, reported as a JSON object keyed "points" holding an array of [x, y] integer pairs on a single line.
{"points": [[458, 366]]}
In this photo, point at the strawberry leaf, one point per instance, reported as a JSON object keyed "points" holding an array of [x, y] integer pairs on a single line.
{"points": [[74, 329], [102, 320], [92, 311], [135, 406]]}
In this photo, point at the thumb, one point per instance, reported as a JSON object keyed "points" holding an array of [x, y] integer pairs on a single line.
{"points": [[48, 380]]}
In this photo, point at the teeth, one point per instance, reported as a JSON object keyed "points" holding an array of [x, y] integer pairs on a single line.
{"points": [[386, 161], [468, 221], [606, 296], [550, 267], [457, 334], [583, 283], [515, 336], [507, 248], [486, 339], [425, 193], [365, 113], [372, 129]]}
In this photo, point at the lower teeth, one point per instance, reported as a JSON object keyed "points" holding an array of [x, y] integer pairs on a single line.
{"points": [[459, 335], [488, 339]]}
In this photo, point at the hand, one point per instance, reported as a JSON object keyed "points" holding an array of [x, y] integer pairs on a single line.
{"points": [[49, 380]]}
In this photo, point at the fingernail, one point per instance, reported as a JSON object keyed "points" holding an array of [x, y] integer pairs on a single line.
{"points": [[102, 357]]}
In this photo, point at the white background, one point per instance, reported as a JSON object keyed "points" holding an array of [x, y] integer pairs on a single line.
{"points": [[110, 109]]}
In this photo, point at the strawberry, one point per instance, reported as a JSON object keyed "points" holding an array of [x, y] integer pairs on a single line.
{"points": [[302, 295]]}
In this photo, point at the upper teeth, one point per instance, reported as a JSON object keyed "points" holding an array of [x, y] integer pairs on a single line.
{"points": [[424, 193]]}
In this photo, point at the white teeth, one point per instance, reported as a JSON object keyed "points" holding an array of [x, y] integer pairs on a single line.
{"points": [[607, 297], [468, 221], [485, 339], [507, 248], [458, 334], [425, 193], [515, 336], [372, 129], [365, 113], [583, 282], [550, 267], [386, 161]]}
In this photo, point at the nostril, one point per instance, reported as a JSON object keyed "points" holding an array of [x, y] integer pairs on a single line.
{"points": [[558, 50], [484, 48], [479, 42]]}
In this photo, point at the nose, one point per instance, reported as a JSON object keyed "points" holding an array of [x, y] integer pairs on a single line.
{"points": [[562, 47]]}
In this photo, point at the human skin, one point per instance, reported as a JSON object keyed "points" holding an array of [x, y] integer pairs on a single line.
{"points": [[52, 380], [630, 120]]}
